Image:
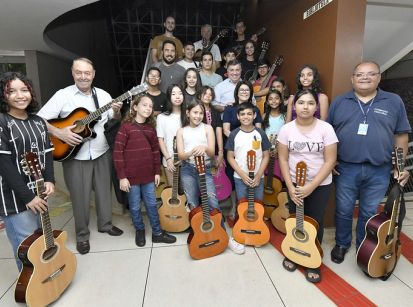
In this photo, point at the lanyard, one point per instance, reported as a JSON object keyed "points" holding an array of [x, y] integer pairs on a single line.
{"points": [[368, 109]]}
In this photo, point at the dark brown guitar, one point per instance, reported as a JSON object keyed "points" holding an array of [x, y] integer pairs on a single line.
{"points": [[251, 75], [380, 249], [84, 121], [48, 266], [207, 47], [208, 238]]}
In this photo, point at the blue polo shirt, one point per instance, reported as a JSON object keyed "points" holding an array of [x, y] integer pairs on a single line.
{"points": [[386, 117]]}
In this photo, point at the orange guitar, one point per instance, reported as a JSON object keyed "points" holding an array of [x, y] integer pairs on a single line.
{"points": [[300, 244], [173, 214], [48, 266], [272, 185], [250, 229], [281, 213], [84, 121], [208, 238]]}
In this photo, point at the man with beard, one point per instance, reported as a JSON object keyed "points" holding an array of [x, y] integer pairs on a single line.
{"points": [[172, 73], [157, 41]]}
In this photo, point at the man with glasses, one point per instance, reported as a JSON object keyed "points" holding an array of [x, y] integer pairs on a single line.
{"points": [[368, 122], [153, 79]]}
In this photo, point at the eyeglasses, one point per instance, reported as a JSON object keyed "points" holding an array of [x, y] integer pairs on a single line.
{"points": [[369, 74], [244, 90]]}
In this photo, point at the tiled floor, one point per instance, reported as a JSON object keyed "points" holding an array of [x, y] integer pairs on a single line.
{"points": [[118, 273]]}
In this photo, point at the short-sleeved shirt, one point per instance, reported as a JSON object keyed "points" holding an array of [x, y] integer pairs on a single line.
{"points": [[159, 102], [210, 80], [307, 147], [224, 93], [275, 124], [158, 40], [70, 98], [166, 128], [186, 65], [240, 142], [171, 74], [230, 116], [216, 53], [386, 117]]}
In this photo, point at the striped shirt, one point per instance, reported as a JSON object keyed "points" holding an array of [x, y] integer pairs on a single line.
{"points": [[17, 137]]}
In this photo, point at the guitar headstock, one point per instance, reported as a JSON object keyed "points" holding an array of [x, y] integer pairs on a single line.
{"points": [[398, 159], [278, 60], [139, 89], [273, 140], [265, 45], [223, 33], [200, 164], [251, 160], [30, 165], [261, 31], [300, 173]]}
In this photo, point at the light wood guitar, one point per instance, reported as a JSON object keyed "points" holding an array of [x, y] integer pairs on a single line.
{"points": [[281, 213], [173, 214], [208, 238], [380, 249], [250, 229], [48, 266], [300, 244], [84, 121], [272, 185]]}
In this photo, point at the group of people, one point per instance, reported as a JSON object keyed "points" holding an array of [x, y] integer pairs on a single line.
{"points": [[216, 117]]}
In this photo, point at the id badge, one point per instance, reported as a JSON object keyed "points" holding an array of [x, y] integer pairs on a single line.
{"points": [[363, 129]]}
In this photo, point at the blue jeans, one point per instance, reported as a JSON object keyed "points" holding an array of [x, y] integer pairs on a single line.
{"points": [[147, 192], [362, 181], [190, 182], [242, 189], [18, 227]]}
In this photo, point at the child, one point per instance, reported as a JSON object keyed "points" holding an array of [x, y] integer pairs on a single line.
{"points": [[167, 124], [319, 153], [21, 132], [136, 159], [192, 84], [198, 139]]}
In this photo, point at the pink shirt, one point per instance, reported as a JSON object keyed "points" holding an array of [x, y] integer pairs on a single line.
{"points": [[308, 147]]}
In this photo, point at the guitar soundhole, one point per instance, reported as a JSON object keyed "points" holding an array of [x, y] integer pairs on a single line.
{"points": [[250, 216], [300, 235], [174, 201], [79, 127], [49, 253], [207, 226]]}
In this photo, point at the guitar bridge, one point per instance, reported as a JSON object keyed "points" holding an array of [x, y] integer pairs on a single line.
{"points": [[173, 217], [207, 244], [251, 231], [299, 251], [54, 274]]}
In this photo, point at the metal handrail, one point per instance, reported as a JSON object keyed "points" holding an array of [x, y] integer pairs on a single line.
{"points": [[148, 63]]}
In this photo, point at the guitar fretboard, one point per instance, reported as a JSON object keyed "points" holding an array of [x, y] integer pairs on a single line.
{"points": [[204, 198], [45, 218], [251, 197]]}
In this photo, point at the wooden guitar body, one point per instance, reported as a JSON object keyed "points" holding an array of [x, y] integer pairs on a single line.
{"points": [[46, 273], [173, 215], [377, 254], [281, 213], [62, 150], [270, 200], [302, 247], [208, 239], [251, 229]]}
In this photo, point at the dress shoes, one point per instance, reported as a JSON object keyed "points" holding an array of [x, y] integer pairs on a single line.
{"points": [[83, 247], [140, 239], [163, 238], [338, 253], [113, 231]]}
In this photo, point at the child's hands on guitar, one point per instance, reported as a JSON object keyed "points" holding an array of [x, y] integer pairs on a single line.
{"points": [[304, 191], [199, 150], [124, 185], [37, 205]]}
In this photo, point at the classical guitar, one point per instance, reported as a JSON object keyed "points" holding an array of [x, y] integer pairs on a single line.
{"points": [[173, 214], [261, 100], [207, 47], [84, 121], [208, 238], [238, 48], [222, 183], [48, 266], [380, 249], [281, 213], [251, 75], [250, 229], [300, 244], [272, 185]]}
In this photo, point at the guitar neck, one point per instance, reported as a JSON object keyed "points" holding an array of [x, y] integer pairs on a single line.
{"points": [[260, 58], [45, 218], [270, 174], [268, 77], [175, 179], [251, 196], [204, 198]]}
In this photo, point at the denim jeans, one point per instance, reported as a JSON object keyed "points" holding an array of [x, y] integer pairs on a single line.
{"points": [[147, 193], [362, 181], [18, 227], [190, 182], [242, 189]]}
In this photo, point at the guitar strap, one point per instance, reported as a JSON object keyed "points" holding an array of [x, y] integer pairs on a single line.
{"points": [[95, 99]]}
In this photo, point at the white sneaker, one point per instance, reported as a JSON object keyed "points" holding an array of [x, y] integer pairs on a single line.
{"points": [[236, 247]]}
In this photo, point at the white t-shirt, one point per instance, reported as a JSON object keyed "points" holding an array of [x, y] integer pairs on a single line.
{"points": [[166, 128], [216, 54]]}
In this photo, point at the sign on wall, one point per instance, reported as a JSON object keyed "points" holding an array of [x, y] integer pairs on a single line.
{"points": [[315, 8]]}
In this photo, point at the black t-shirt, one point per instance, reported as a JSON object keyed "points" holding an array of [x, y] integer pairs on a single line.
{"points": [[159, 102]]}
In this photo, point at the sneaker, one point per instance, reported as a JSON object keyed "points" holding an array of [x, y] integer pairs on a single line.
{"points": [[236, 247], [140, 238], [163, 238]]}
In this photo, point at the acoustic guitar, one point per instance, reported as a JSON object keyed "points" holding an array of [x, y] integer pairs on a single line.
{"points": [[250, 229], [207, 47], [208, 238], [251, 75], [281, 213], [48, 266], [84, 121], [238, 48], [380, 249], [272, 185], [300, 244], [173, 215]]}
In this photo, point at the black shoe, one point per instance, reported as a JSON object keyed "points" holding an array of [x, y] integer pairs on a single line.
{"points": [[163, 238], [338, 253], [140, 239], [83, 247], [114, 231]]}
